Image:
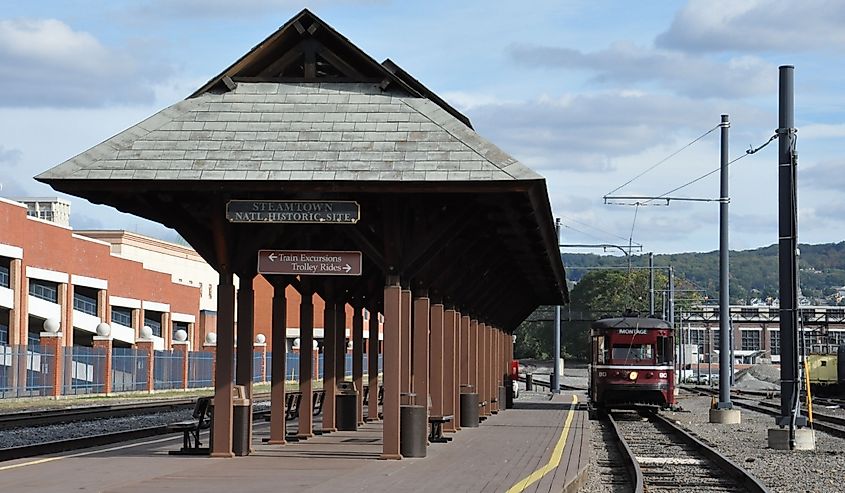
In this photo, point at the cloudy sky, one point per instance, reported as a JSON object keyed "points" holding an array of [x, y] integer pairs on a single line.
{"points": [[588, 93]]}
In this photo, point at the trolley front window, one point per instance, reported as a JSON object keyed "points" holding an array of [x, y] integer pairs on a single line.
{"points": [[632, 351]]}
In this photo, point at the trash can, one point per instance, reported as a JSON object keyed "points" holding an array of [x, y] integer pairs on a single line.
{"points": [[412, 431], [469, 407], [346, 403], [240, 421], [509, 393], [529, 381]]}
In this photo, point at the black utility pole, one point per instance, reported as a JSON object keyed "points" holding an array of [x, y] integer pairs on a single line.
{"points": [[787, 255], [554, 385], [725, 340]]}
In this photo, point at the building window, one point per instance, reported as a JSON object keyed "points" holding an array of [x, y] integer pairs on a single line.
{"points": [[717, 341], [750, 340], [121, 315], [180, 326], [4, 327], [696, 337], [4, 274], [153, 321], [45, 290], [774, 341], [85, 300]]}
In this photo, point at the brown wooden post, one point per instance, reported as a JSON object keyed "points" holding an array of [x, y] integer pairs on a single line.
{"points": [[422, 316], [278, 339], [339, 348], [104, 344], [451, 379], [372, 366], [465, 377], [358, 359], [473, 358], [181, 347], [483, 374], [393, 365], [436, 360], [245, 347], [51, 342], [330, 327], [306, 349], [223, 371], [407, 342]]}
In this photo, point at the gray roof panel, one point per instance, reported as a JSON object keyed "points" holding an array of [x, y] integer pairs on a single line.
{"points": [[291, 131]]}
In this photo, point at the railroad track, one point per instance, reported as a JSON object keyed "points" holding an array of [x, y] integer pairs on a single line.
{"points": [[664, 457], [33, 419], [832, 425]]}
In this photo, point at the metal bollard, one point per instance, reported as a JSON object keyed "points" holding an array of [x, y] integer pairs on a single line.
{"points": [[529, 381]]}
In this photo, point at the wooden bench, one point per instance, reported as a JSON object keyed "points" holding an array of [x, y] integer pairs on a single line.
{"points": [[367, 394], [191, 428], [317, 402], [436, 423]]}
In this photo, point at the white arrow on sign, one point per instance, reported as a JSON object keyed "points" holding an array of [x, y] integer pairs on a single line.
{"points": [[347, 268], [272, 257]]}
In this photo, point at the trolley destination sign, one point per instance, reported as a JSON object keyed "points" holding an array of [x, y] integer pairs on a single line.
{"points": [[293, 211], [309, 262]]}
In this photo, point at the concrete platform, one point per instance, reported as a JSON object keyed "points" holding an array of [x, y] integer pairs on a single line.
{"points": [[541, 445]]}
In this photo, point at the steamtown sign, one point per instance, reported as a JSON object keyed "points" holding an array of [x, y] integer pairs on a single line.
{"points": [[293, 211]]}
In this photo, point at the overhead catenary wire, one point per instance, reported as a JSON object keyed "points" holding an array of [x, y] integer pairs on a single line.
{"points": [[565, 218], [642, 201], [670, 156]]}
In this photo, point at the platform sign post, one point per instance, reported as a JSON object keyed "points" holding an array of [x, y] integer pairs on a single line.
{"points": [[309, 262]]}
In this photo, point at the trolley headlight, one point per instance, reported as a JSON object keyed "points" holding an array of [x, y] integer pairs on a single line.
{"points": [[632, 375]]}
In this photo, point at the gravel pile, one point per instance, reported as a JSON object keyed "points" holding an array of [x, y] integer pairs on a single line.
{"points": [[747, 444], [758, 377]]}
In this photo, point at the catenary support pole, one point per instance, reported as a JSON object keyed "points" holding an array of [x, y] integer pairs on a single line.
{"points": [[787, 249], [555, 383], [651, 283], [724, 288]]}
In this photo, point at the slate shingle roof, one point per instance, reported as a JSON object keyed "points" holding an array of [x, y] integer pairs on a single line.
{"points": [[297, 132]]}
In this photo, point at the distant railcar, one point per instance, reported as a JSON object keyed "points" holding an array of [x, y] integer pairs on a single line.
{"points": [[631, 365], [827, 374]]}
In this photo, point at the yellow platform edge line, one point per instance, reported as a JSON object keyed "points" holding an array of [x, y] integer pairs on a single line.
{"points": [[554, 460]]}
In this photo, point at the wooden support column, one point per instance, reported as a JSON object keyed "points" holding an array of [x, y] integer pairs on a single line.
{"points": [[422, 314], [451, 378], [223, 371], [392, 367], [436, 360], [340, 344], [358, 359], [278, 339], [372, 366], [473, 359], [245, 347], [465, 378], [407, 342], [306, 344], [329, 365], [483, 373]]}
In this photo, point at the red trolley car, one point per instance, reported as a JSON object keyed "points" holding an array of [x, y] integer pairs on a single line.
{"points": [[631, 364]]}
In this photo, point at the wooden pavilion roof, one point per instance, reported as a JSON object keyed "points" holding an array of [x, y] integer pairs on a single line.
{"points": [[307, 115]]}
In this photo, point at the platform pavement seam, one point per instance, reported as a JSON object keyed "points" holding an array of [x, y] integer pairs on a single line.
{"points": [[557, 453]]}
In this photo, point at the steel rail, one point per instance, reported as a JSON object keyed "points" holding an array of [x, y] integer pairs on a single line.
{"points": [[631, 464], [743, 476]]}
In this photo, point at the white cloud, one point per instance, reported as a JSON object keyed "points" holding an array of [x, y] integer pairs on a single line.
{"points": [[756, 25], [47, 63], [822, 131], [229, 9], [624, 64], [828, 174], [588, 132]]}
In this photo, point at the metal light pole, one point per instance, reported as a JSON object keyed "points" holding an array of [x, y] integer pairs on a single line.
{"points": [[651, 283], [725, 353], [555, 383]]}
